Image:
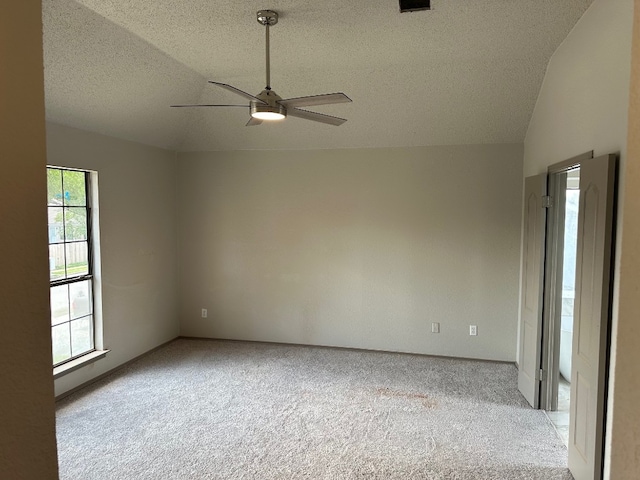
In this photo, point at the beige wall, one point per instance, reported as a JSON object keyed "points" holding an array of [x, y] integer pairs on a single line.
{"points": [[354, 248], [583, 105], [625, 438], [583, 101], [27, 422], [136, 186]]}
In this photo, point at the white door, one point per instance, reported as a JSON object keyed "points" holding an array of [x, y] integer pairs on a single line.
{"points": [[591, 317], [535, 189]]}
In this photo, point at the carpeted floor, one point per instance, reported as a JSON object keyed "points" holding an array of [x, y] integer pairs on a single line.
{"points": [[233, 410]]}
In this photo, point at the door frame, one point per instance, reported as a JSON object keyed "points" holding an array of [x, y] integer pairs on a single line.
{"points": [[554, 245], [591, 337]]}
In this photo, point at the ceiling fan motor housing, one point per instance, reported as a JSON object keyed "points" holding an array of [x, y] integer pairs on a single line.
{"points": [[270, 109]]}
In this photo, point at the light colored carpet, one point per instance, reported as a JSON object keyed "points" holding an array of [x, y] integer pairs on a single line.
{"points": [[233, 410]]}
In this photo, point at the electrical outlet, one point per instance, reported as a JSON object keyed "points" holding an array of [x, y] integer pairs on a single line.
{"points": [[204, 313], [473, 330], [435, 327]]}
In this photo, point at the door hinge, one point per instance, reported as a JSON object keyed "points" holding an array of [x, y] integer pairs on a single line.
{"points": [[547, 201], [541, 375]]}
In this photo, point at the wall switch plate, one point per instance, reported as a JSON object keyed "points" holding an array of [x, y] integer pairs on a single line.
{"points": [[204, 313], [435, 327], [473, 330]]}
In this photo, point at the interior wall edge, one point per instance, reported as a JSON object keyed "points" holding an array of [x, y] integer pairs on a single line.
{"points": [[27, 410], [623, 414]]}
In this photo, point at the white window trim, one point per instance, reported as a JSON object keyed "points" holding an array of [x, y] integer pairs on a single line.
{"points": [[99, 351], [86, 359]]}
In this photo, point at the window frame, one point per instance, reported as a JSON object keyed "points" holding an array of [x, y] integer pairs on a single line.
{"points": [[89, 276]]}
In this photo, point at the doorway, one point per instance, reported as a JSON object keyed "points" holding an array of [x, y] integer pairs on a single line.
{"points": [[560, 283], [548, 294]]}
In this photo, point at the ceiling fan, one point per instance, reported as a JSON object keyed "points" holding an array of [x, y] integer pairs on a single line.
{"points": [[268, 105]]}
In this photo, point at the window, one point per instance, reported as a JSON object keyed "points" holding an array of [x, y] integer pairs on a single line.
{"points": [[70, 263]]}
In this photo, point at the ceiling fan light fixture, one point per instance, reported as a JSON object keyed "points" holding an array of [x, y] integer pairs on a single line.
{"points": [[268, 112]]}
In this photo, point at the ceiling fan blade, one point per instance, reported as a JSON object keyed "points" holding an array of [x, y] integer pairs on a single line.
{"points": [[316, 117], [253, 121], [313, 100], [217, 105], [236, 91]]}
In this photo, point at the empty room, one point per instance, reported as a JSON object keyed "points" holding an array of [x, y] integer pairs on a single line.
{"points": [[384, 239]]}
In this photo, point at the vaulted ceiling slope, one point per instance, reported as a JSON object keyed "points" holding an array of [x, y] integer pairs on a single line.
{"points": [[466, 72]]}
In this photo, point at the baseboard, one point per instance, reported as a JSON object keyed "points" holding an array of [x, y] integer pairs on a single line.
{"points": [[355, 349], [113, 370]]}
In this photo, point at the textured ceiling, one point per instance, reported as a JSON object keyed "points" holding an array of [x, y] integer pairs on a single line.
{"points": [[466, 72]]}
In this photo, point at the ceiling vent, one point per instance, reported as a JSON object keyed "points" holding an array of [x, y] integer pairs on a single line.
{"points": [[414, 5]]}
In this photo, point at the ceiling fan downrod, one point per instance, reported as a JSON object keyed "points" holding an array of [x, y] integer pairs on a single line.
{"points": [[267, 18]]}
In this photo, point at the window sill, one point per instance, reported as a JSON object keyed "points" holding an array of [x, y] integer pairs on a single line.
{"points": [[78, 363]]}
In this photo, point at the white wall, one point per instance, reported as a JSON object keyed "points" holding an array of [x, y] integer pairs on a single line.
{"points": [[27, 416], [136, 186], [583, 105], [354, 248]]}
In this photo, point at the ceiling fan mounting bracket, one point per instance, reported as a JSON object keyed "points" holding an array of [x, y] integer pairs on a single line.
{"points": [[267, 17]]}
